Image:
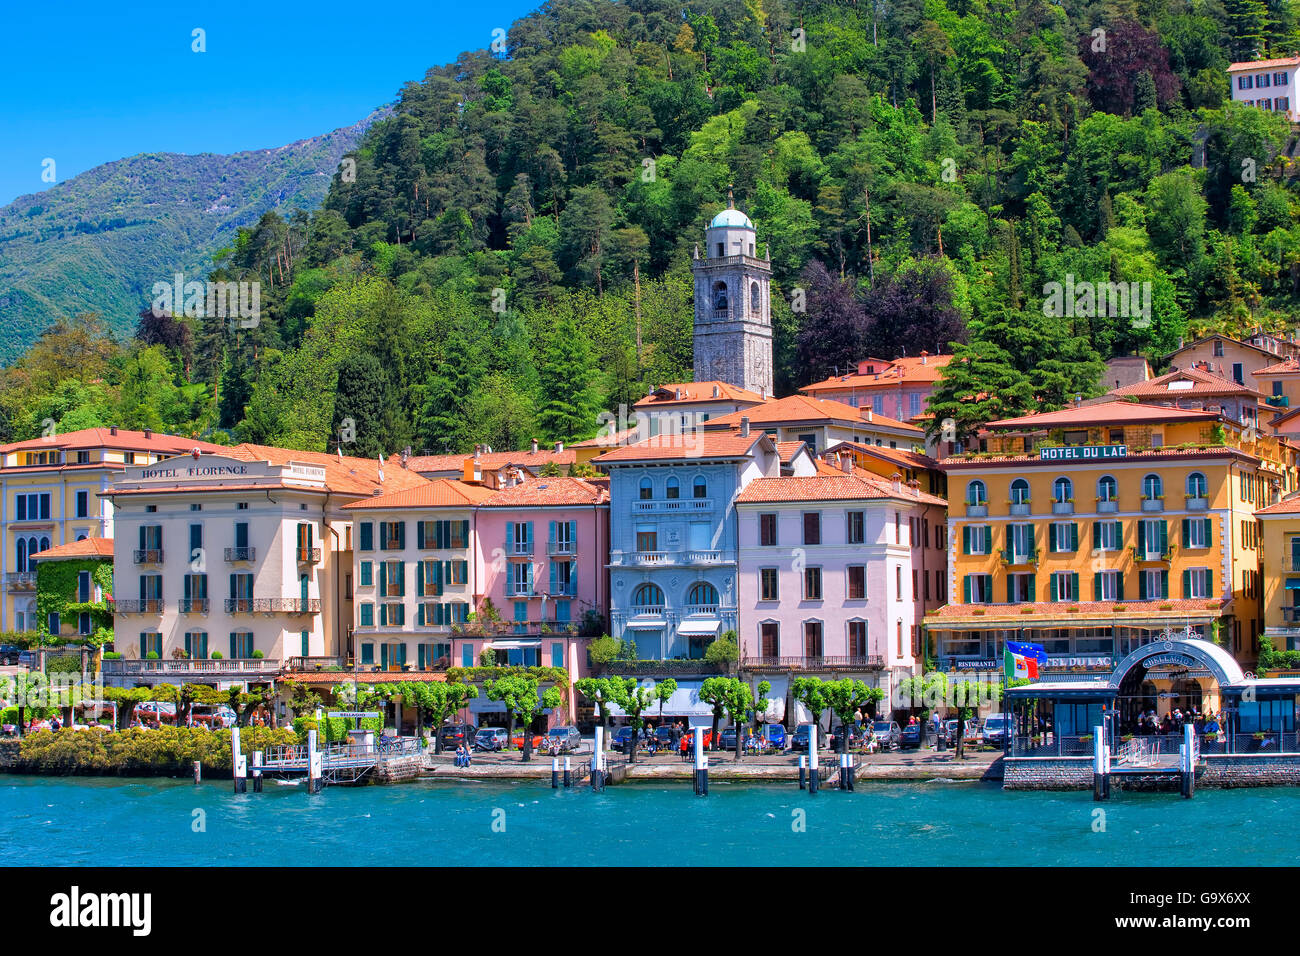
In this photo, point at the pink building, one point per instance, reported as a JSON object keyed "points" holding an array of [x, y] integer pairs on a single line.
{"points": [[542, 549], [826, 584], [899, 389]]}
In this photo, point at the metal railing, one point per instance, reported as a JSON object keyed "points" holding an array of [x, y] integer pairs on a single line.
{"points": [[241, 554], [272, 605], [518, 549], [317, 663], [1150, 749], [561, 547], [183, 666], [646, 610], [192, 606], [147, 606], [673, 504], [842, 662], [20, 580], [308, 555], [148, 556], [668, 667]]}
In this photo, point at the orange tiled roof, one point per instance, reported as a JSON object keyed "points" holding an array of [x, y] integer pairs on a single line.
{"points": [[124, 440], [607, 441], [903, 371], [85, 548], [686, 447], [1103, 413], [1287, 506], [1264, 64], [799, 409], [788, 449], [437, 493], [541, 492], [825, 487], [1202, 383], [423, 463], [694, 392], [526, 459], [1286, 366], [347, 475], [910, 459], [1212, 607]]}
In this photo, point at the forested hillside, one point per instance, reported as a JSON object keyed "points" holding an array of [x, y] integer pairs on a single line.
{"points": [[102, 239], [512, 255]]}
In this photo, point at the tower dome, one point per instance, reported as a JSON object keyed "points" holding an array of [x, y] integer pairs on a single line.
{"points": [[731, 218]]}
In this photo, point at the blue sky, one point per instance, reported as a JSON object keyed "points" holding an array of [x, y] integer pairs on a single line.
{"points": [[88, 82]]}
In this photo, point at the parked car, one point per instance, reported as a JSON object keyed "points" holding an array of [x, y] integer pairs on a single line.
{"points": [[567, 739], [776, 735], [490, 738], [156, 711], [971, 732], [838, 733], [453, 735], [887, 734], [664, 736], [911, 735], [207, 715], [10, 654], [799, 740], [517, 741], [727, 739], [994, 731], [622, 735]]}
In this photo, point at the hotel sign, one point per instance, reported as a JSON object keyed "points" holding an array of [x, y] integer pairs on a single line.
{"points": [[195, 471], [1082, 452]]}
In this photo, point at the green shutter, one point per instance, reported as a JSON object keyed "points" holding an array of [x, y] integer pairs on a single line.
{"points": [[1096, 536], [1055, 588], [1074, 536], [965, 539], [1164, 536], [1096, 585], [1051, 538], [1119, 586], [1187, 584], [1208, 531], [965, 591], [1119, 536], [1142, 585], [383, 579], [1142, 539], [401, 579], [1164, 584], [1074, 585], [1033, 579], [1187, 532]]}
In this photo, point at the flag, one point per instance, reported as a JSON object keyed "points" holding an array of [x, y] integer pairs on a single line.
{"points": [[1023, 660], [381, 467]]}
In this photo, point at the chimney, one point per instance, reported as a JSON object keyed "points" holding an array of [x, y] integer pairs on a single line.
{"points": [[148, 433], [846, 463], [897, 479], [924, 355], [871, 414], [915, 486], [112, 429], [744, 426], [406, 456], [478, 450], [559, 447], [534, 446], [717, 392]]}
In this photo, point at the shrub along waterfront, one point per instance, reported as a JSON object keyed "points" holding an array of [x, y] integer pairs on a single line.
{"points": [[166, 751]]}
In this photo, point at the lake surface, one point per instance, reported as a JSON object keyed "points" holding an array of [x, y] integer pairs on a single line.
{"points": [[108, 821]]}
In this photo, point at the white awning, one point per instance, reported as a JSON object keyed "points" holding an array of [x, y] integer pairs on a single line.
{"points": [[513, 645], [698, 628], [685, 702], [645, 624]]}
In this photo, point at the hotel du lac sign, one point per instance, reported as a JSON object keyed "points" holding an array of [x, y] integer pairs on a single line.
{"points": [[1082, 452]]}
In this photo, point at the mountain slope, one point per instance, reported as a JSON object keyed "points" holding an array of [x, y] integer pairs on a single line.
{"points": [[98, 242]]}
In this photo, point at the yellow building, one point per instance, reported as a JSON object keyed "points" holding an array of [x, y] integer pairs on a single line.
{"points": [[1100, 528], [1280, 529], [51, 490]]}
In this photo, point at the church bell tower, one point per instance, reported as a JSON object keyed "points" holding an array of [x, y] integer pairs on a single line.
{"points": [[733, 315]]}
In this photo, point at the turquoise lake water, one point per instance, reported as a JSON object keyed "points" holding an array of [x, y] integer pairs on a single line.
{"points": [[98, 821]]}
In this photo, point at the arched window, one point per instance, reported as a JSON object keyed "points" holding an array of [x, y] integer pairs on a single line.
{"points": [[755, 299], [1062, 490], [1020, 492], [976, 493], [22, 557], [648, 595], [720, 297], [45, 544], [1197, 486], [1107, 488], [703, 594], [701, 487], [646, 489], [1152, 486], [671, 489]]}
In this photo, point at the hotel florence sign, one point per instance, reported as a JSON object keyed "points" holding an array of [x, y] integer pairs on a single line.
{"points": [[1082, 452]]}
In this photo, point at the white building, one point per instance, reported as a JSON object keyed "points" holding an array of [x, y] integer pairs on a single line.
{"points": [[1267, 84]]}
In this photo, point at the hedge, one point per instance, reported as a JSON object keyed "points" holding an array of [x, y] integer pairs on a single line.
{"points": [[167, 751]]}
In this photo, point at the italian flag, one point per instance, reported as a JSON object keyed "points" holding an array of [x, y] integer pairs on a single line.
{"points": [[1020, 665]]}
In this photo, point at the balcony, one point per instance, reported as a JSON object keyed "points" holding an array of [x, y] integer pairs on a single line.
{"points": [[1197, 503], [1062, 507], [20, 580], [272, 606], [1153, 504], [521, 590], [391, 544], [1107, 506], [702, 557], [235, 555], [863, 662], [308, 555], [1019, 508], [518, 549], [1014, 558], [646, 610], [1149, 555], [148, 556], [193, 606], [708, 610], [672, 505], [642, 559], [977, 511], [185, 667], [561, 548], [676, 667], [147, 606]]}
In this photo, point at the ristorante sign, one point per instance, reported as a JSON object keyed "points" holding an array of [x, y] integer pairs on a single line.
{"points": [[1082, 452]]}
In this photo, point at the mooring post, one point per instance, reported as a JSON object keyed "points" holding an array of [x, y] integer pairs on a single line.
{"points": [[555, 773], [568, 771], [257, 771], [597, 760], [198, 771], [1100, 766], [239, 762], [314, 764], [803, 772], [1188, 760], [701, 765], [813, 782]]}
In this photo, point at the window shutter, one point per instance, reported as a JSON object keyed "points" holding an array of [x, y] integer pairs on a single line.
{"points": [[383, 579], [550, 539], [1096, 585], [439, 569], [528, 530], [419, 534], [965, 539], [965, 589], [401, 579], [464, 531], [529, 579], [1074, 536], [510, 537], [1055, 589], [1142, 584], [554, 569], [1032, 581], [1164, 537], [988, 587], [1206, 522], [1051, 538], [1164, 584], [142, 545], [1011, 592], [573, 535], [1142, 538], [1119, 536], [421, 570], [419, 615], [1074, 585], [1032, 539], [232, 645], [1096, 535], [401, 534], [1119, 587], [1187, 584], [1187, 532]]}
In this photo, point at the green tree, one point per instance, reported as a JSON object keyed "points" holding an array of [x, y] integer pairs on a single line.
{"points": [[518, 692]]}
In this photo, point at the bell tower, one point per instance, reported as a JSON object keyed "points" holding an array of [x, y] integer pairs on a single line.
{"points": [[733, 315]]}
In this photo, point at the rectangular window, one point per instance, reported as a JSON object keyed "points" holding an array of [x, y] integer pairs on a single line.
{"points": [[1243, 83], [367, 614], [367, 574], [83, 587], [1064, 586], [1108, 586], [367, 536], [1106, 535], [812, 528], [83, 504], [1263, 81], [647, 541], [976, 539], [913, 405], [768, 588], [857, 582], [1020, 542], [898, 581], [1196, 532], [150, 643], [857, 639], [1064, 536], [241, 645], [812, 638], [1196, 583], [767, 530], [979, 588], [770, 637], [812, 584], [1020, 588], [856, 532]]}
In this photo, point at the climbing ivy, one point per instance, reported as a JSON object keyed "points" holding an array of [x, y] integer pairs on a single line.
{"points": [[56, 593]]}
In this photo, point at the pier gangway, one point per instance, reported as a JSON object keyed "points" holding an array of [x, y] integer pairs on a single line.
{"points": [[340, 763]]}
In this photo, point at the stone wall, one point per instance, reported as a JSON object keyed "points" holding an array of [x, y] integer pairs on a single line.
{"points": [[1075, 773], [1047, 773], [398, 769], [1250, 770], [9, 753]]}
